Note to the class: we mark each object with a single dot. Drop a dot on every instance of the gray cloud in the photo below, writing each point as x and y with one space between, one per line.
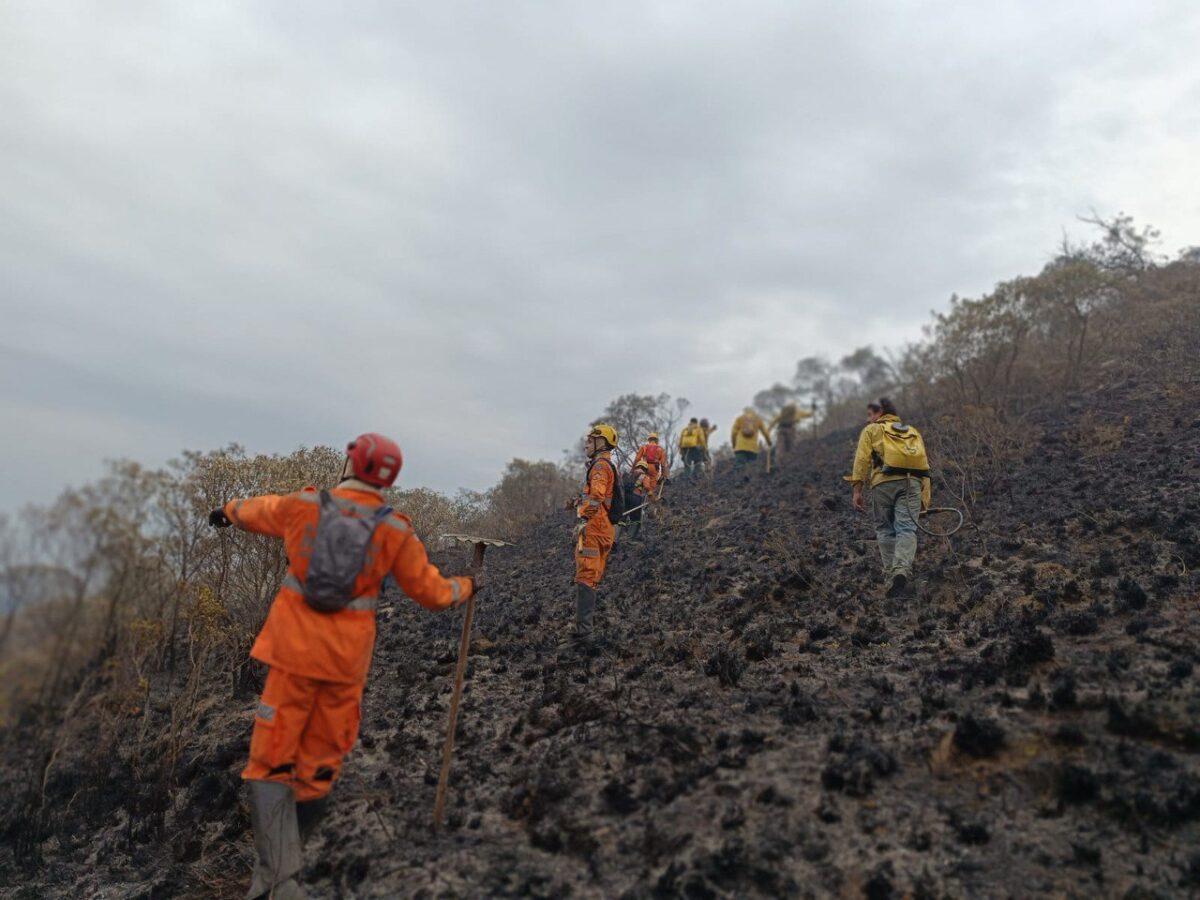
473 225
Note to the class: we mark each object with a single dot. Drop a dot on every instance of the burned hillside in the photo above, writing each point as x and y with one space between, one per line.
756 720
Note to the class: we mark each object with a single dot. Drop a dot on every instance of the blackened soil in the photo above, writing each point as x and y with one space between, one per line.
759 721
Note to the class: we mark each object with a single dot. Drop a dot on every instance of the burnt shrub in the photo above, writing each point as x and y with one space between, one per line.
1078 623
1105 565
1180 669
726 666
869 631
1027 648
854 763
618 798
978 737
1134 721
1076 784
1062 689
822 630
1138 626
970 831
760 643
1130 594
799 709
879 886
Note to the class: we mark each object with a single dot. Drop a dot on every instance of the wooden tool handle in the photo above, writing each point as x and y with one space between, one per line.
439 803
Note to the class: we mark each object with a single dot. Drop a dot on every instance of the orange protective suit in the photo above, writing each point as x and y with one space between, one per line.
645 482
307 718
592 547
654 455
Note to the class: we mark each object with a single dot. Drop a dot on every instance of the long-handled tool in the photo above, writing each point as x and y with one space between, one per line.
636 508
480 545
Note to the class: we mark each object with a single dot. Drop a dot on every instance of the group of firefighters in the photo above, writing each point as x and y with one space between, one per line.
342 543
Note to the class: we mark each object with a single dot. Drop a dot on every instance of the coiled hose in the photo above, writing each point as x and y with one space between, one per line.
941 509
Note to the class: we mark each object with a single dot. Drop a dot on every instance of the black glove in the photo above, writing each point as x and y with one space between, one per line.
218 519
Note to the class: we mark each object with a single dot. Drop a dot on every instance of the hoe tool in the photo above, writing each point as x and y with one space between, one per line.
480 544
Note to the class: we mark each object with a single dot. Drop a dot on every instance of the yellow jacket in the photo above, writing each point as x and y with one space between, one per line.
704 433
870 442
789 417
741 441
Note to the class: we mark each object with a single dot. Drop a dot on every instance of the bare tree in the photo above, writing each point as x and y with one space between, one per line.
634 416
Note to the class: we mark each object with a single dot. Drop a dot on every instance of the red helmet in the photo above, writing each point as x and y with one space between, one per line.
375 459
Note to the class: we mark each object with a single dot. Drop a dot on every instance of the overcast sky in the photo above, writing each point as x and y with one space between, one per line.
471 225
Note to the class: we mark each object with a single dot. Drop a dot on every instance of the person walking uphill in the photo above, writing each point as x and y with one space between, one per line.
317 641
640 491
744 437
691 448
652 453
706 431
786 421
891 457
594 528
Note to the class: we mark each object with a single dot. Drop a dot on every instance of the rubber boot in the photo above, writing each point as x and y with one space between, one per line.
585 608
309 814
633 531
899 588
277 839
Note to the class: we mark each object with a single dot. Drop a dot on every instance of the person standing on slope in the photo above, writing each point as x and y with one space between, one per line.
786 420
691 448
317 641
593 530
744 437
891 458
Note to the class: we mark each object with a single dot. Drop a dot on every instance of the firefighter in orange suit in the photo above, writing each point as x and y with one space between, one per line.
307 718
639 495
654 455
593 530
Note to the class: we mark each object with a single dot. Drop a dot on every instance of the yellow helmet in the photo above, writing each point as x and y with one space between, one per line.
652 436
604 431
642 464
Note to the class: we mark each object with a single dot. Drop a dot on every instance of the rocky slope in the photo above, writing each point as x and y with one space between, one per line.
758 720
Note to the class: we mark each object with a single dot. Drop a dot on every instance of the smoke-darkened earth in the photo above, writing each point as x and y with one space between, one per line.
758 720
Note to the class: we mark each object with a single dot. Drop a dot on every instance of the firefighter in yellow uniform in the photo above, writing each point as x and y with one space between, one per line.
744 437
891 458
706 431
593 530
786 421
691 448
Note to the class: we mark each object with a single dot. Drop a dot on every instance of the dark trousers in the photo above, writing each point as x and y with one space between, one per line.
743 458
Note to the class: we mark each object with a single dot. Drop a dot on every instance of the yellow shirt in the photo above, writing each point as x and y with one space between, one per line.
748 442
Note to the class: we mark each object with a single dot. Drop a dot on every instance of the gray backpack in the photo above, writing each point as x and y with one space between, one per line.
338 554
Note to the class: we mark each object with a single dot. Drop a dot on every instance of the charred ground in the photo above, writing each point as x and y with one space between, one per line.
758 720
